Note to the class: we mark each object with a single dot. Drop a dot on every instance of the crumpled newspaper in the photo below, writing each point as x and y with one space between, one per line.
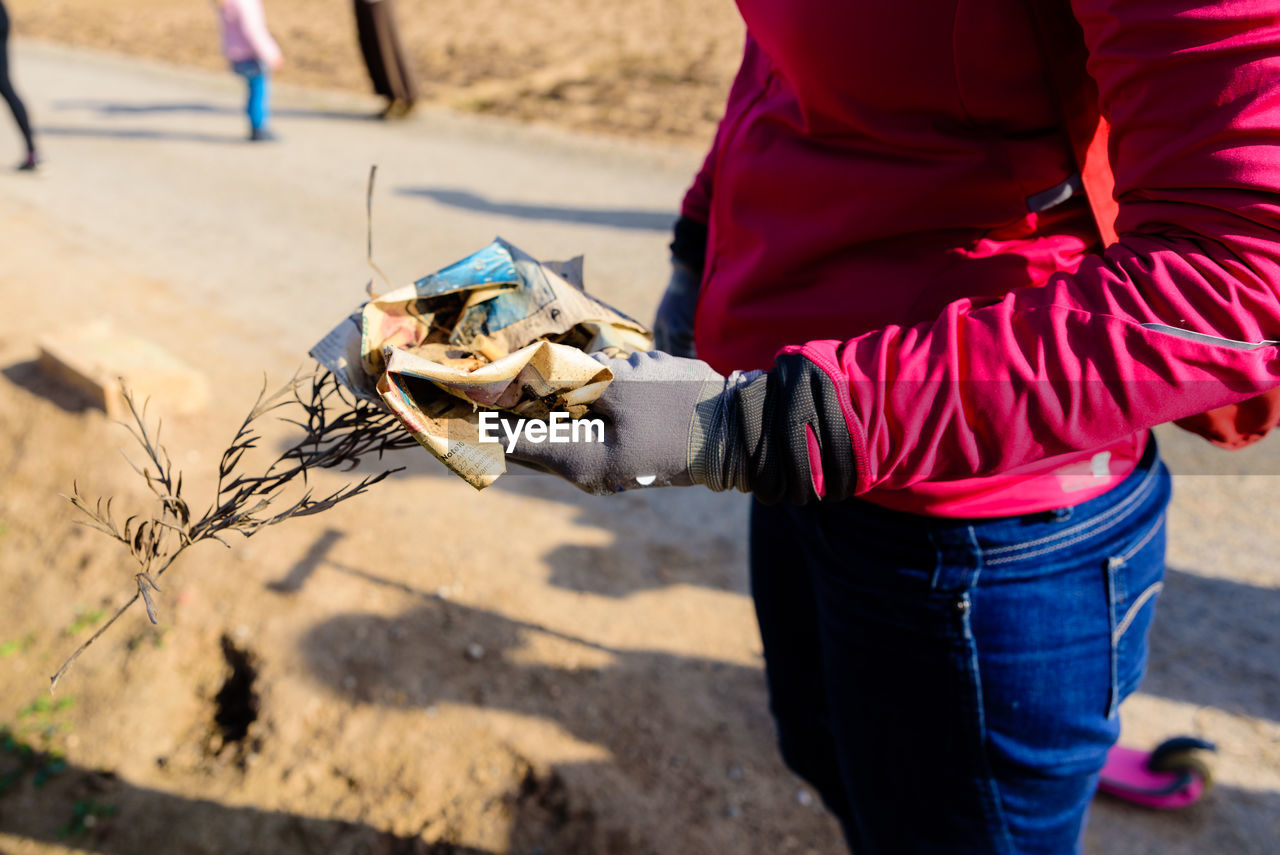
499 330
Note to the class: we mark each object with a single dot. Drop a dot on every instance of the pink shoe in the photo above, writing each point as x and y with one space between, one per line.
1172 776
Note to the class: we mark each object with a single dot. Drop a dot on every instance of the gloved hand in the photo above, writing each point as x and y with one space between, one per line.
651 412
673 324
675 422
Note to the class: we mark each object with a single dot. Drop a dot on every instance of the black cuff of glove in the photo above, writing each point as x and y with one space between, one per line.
689 245
774 418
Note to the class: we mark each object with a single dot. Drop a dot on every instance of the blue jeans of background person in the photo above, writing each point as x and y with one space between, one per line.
259 80
951 686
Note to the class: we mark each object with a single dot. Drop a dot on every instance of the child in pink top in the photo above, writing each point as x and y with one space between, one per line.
253 54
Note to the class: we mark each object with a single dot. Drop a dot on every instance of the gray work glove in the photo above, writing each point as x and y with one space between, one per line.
673 324
654 436
676 422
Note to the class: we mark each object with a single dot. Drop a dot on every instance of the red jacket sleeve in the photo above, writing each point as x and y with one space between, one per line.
1178 317
750 82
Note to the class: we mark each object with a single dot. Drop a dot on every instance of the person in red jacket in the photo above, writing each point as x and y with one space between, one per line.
935 364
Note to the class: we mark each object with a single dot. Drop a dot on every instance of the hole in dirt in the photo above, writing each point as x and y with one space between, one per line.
236 701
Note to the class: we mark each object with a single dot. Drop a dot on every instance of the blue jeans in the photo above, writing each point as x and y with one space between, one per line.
952 685
259 79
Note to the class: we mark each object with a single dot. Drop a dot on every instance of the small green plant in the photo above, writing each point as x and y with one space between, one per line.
15 646
47 706
43 720
36 707
83 620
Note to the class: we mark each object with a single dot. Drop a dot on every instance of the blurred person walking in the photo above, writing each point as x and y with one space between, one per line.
384 57
253 55
16 106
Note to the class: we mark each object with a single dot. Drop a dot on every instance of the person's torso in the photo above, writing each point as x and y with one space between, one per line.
892 159
236 18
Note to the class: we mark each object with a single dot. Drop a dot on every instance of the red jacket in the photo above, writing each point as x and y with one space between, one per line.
871 197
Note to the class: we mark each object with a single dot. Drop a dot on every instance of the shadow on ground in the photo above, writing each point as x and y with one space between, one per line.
148 134
658 538
422 662
1226 820
1216 643
28 376
631 705
97 812
669 723
114 109
618 218
425 656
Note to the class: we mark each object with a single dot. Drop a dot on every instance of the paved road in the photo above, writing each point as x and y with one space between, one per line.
242 254
149 164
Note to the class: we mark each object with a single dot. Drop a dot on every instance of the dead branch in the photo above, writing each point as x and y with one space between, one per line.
339 432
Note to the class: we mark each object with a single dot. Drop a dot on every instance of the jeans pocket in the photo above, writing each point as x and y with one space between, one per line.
1135 577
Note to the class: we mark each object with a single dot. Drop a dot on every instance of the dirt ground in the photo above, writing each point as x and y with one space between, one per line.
367 681
428 669
654 68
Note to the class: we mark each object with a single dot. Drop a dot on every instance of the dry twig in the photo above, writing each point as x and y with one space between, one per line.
339 431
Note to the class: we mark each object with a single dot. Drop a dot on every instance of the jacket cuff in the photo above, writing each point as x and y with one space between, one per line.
792 443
